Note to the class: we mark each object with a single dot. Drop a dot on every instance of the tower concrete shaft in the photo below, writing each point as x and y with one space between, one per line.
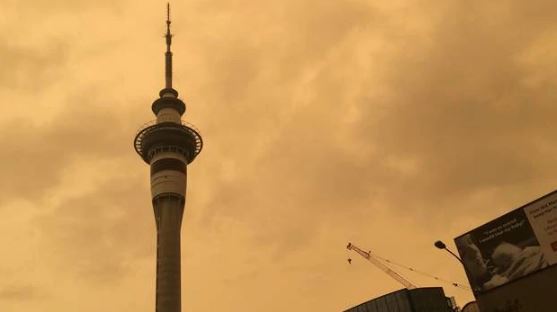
168 145
168 215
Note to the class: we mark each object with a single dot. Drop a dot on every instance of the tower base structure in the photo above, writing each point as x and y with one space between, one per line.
169 210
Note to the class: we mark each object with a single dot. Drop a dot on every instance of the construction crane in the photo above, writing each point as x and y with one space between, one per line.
371 258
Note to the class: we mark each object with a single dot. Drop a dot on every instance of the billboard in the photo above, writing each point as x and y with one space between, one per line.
512 246
534 293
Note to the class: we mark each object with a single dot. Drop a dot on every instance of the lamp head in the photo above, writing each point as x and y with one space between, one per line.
439 244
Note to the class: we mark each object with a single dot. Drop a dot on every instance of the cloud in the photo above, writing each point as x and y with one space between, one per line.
462 111
18 293
437 114
56 6
79 131
30 67
96 235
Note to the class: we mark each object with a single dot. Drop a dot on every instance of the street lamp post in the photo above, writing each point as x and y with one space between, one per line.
439 244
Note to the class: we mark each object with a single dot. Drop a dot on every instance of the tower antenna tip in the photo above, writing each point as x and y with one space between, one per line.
168 54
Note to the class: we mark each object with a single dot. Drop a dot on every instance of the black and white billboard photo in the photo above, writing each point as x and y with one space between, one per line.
512 246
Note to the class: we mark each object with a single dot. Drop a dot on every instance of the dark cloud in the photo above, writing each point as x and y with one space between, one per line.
461 110
80 131
450 117
18 293
30 68
102 231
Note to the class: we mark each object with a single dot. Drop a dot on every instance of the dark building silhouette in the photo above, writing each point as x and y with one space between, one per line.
427 299
168 145
471 307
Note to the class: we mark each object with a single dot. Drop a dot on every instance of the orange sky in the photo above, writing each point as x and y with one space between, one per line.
390 124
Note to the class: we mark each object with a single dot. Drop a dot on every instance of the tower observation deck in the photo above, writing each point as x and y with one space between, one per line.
168 145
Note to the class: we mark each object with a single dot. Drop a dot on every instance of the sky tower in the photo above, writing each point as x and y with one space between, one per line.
168 145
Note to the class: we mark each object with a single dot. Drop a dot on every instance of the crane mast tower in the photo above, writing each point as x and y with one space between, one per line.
371 258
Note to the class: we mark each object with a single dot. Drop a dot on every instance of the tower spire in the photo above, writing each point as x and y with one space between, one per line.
168 54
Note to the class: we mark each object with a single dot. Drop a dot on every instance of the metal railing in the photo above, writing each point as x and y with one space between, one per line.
146 128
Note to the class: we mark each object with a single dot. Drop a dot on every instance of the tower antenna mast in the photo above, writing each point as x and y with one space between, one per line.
168 54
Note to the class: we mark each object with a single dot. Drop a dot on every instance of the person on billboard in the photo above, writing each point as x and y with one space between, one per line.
473 261
512 262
